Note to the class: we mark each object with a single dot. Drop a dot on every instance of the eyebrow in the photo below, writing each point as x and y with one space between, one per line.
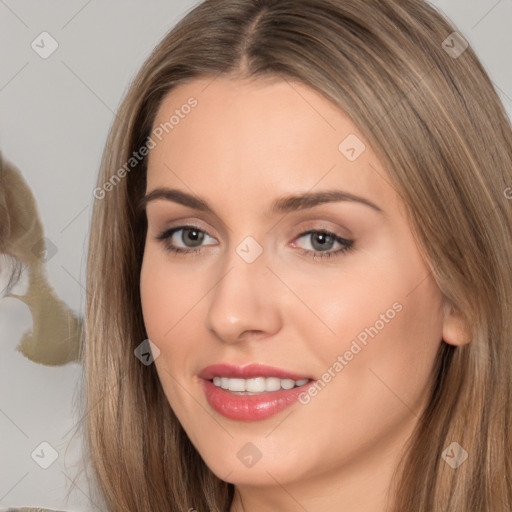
282 205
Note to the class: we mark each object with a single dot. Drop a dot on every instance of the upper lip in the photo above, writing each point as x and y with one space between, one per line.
248 371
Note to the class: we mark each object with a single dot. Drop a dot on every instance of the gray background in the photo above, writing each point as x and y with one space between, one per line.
55 115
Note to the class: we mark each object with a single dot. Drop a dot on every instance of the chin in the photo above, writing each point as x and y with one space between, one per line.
243 467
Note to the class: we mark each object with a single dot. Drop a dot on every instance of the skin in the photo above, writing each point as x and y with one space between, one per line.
245 145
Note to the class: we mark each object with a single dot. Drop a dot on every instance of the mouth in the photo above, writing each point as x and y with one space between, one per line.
251 392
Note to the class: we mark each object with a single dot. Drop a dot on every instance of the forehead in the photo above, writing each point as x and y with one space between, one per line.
271 136
247 115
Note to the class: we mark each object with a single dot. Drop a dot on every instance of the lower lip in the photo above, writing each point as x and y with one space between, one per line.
250 407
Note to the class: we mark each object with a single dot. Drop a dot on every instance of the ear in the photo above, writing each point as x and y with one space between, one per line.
455 329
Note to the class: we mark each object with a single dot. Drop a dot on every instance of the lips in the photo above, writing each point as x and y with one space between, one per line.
250 407
248 371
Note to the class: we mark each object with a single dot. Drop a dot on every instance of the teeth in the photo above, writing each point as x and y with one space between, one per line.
287 383
257 384
272 384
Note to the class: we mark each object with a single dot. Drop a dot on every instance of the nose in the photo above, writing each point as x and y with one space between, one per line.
245 300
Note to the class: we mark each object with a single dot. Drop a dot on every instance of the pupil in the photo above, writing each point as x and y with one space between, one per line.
322 239
194 236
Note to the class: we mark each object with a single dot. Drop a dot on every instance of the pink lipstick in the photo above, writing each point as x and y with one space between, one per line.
251 392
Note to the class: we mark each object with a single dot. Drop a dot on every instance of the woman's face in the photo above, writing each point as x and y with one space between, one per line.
329 291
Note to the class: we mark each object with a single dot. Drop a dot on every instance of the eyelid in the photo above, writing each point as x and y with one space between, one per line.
161 221
183 223
334 228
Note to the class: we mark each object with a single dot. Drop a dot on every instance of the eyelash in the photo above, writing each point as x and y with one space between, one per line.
347 245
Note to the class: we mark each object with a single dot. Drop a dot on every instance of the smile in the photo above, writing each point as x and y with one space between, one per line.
251 392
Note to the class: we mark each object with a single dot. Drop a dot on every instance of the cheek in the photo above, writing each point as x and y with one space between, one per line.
170 307
162 307
166 296
391 296
385 318
376 368
153 297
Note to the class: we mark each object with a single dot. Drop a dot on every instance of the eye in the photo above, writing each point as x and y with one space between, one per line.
191 237
321 243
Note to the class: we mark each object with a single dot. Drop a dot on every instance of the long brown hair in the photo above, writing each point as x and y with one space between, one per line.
433 118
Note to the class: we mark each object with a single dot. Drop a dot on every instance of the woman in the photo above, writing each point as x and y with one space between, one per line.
302 205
